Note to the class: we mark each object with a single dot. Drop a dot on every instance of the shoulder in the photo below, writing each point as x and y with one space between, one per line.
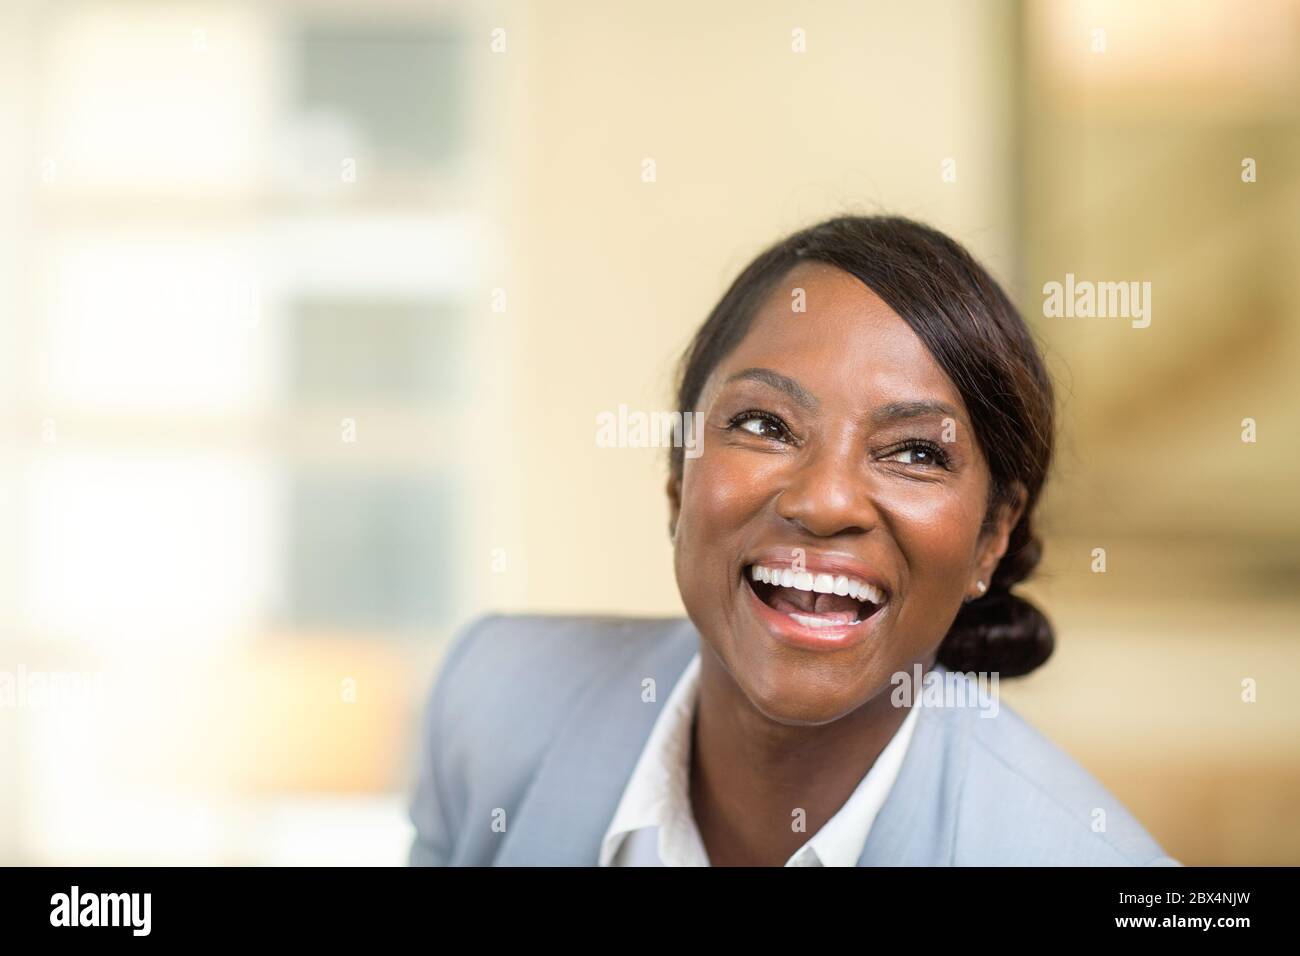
505 688
504 663
507 682
1026 801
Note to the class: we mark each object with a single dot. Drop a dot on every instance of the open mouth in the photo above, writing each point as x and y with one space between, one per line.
813 599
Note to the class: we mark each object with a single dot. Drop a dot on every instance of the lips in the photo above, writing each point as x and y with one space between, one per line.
826 593
813 599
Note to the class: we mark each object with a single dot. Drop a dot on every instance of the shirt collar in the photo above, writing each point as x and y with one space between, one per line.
658 792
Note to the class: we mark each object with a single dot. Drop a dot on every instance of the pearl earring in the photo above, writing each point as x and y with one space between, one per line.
982 586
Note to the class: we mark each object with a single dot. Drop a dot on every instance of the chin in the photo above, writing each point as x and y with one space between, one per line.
790 692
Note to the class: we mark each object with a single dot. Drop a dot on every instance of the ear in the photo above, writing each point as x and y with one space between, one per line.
994 542
674 490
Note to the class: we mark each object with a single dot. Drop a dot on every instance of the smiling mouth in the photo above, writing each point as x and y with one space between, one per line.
812 599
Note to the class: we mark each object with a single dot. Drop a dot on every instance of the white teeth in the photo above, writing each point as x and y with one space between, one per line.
818 621
821 583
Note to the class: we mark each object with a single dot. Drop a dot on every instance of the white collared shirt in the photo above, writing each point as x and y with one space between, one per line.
654 826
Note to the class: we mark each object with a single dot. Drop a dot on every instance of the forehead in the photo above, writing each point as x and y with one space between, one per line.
848 347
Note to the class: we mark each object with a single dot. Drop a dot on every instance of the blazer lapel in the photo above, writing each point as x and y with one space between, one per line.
571 800
917 822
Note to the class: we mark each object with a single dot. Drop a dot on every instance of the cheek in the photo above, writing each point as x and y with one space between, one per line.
937 537
719 493
720 496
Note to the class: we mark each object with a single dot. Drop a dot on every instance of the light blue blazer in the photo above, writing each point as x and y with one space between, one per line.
535 724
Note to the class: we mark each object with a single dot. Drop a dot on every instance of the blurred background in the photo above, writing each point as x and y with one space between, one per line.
307 310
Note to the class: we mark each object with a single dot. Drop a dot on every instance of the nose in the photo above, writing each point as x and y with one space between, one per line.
828 494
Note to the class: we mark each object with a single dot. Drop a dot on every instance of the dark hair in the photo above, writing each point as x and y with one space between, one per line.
979 339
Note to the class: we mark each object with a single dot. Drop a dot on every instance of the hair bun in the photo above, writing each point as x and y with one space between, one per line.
998 633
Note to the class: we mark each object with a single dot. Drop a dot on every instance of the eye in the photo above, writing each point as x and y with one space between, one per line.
924 453
760 423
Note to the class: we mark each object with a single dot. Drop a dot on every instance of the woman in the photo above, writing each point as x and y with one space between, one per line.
877 426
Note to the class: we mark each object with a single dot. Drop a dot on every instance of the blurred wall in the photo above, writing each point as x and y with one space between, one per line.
1162 144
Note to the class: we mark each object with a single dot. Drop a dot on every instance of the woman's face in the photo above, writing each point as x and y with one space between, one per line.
837 457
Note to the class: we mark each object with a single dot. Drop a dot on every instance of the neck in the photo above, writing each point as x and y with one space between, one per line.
750 774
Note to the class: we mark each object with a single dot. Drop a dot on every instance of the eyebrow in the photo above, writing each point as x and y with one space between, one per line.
778 381
893 411
896 411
